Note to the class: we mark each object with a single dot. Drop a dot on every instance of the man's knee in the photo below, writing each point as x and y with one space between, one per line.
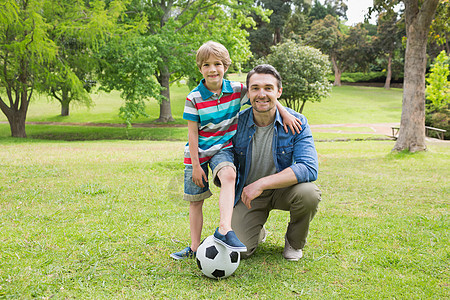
306 197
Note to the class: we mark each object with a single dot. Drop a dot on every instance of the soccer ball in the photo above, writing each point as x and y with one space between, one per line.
216 261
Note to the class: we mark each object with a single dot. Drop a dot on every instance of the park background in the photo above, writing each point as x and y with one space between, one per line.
91 208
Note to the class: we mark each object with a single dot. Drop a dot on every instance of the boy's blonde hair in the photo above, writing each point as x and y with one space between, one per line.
216 49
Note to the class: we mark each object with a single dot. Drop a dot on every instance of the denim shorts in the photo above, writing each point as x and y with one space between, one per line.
193 192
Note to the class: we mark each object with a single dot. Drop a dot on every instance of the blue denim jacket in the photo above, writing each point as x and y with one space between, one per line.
295 151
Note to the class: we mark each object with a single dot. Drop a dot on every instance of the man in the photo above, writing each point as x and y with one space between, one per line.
274 168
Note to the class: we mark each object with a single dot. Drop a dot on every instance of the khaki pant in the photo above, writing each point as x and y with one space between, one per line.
301 200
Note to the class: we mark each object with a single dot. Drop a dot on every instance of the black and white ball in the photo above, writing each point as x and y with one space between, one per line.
216 261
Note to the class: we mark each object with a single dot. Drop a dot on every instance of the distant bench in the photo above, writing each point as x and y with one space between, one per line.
440 132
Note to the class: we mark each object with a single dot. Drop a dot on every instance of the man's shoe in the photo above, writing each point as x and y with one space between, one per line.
185 253
230 241
290 253
262 235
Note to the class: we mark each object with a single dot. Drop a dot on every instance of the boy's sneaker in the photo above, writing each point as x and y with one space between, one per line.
230 241
185 253
290 253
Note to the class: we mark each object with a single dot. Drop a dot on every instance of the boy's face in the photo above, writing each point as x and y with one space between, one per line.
213 70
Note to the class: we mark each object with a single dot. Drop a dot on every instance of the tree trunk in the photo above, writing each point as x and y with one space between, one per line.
17 113
277 36
412 126
387 84
337 72
303 106
65 103
165 111
447 47
17 125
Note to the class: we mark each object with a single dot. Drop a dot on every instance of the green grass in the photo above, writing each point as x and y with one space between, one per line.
351 104
98 219
105 109
347 104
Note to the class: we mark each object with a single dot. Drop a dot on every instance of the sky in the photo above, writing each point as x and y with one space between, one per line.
357 9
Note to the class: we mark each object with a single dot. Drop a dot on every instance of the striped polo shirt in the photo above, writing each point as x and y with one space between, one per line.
216 116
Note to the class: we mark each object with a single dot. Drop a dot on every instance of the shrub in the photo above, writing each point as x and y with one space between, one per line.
304 72
438 85
439 119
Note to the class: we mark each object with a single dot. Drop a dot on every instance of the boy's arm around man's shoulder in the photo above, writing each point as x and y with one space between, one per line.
306 164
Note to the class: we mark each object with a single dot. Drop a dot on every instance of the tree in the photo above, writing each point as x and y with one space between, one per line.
174 31
440 26
304 72
298 23
34 40
78 28
25 51
418 17
357 50
336 8
326 35
388 40
268 32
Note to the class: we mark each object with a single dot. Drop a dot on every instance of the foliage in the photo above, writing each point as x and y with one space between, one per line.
71 75
304 72
388 42
173 33
438 85
25 51
440 27
347 51
439 119
357 50
129 66
48 46
336 8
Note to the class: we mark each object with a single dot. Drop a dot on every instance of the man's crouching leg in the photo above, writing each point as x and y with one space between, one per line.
302 201
248 223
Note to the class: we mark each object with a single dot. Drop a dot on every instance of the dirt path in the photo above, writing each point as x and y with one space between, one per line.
351 128
372 128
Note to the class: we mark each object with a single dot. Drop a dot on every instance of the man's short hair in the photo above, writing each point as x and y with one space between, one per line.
213 48
265 69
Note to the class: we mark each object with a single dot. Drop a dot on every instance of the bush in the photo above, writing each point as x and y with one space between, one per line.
438 85
439 119
303 70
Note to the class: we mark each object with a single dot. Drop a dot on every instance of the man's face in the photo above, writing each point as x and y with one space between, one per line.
263 92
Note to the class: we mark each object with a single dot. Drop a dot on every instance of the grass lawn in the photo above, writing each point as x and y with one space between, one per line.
98 219
347 104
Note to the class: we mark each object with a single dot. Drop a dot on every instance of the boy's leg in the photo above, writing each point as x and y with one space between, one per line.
224 174
196 223
227 177
196 196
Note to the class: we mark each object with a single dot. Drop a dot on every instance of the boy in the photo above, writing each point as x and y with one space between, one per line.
211 111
